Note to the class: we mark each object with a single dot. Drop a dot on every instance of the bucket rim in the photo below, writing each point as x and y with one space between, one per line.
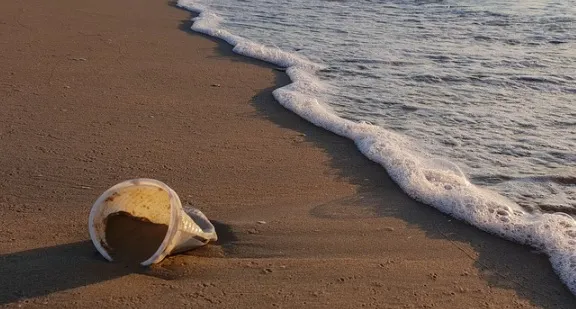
175 206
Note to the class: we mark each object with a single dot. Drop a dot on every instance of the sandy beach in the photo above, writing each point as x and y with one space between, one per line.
97 92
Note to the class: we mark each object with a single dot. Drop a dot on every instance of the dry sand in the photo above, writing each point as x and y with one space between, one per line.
96 92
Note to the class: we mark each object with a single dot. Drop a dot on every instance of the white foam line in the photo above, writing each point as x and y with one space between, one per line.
437 183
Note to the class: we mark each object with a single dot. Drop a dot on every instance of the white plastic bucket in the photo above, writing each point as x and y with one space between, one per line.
188 228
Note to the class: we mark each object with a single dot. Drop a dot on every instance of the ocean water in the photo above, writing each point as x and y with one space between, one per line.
470 106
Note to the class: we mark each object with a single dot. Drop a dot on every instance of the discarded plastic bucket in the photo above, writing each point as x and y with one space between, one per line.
188 228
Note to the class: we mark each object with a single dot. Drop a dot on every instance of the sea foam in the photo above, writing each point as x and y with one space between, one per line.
434 182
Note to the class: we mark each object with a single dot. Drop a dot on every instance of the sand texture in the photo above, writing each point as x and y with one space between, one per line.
99 91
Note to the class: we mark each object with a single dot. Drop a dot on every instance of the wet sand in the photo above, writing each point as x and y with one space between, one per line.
96 92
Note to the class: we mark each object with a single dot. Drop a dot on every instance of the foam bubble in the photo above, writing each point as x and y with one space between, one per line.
435 182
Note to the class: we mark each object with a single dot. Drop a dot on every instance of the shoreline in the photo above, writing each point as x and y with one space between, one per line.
338 231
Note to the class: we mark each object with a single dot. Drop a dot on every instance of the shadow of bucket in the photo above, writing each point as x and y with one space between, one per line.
188 228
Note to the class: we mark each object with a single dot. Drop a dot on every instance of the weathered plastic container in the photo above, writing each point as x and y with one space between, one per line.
188 227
